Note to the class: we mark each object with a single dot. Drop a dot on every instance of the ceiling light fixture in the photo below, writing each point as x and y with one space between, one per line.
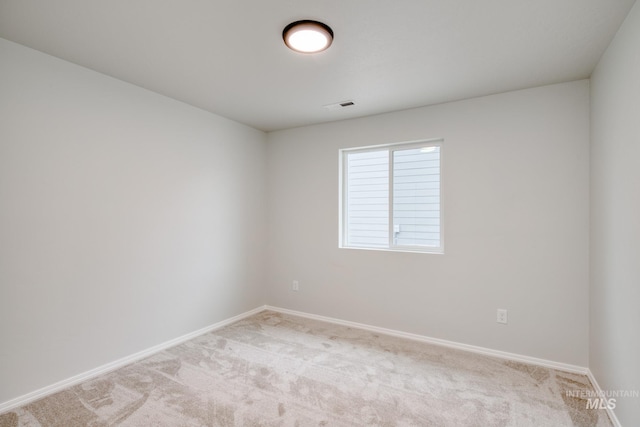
307 36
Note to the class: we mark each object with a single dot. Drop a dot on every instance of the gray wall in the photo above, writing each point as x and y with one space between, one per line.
126 219
515 204
615 219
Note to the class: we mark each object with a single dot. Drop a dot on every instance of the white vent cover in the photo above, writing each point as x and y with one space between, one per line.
339 105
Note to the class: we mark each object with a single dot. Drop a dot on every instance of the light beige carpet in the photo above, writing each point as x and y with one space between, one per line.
277 370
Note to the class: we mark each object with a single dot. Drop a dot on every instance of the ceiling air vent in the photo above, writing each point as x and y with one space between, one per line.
339 105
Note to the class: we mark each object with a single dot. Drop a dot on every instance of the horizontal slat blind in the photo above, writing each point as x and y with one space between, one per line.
416 197
367 201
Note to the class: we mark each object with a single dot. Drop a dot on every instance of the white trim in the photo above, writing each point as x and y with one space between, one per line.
342 195
437 341
76 379
390 212
599 392
38 394
417 142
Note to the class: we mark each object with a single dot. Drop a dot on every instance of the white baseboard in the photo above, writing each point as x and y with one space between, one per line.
53 388
599 392
466 347
30 397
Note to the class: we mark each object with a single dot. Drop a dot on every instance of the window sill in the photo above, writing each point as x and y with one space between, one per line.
432 251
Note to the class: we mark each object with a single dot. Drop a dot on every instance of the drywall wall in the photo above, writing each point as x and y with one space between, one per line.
515 200
614 354
127 219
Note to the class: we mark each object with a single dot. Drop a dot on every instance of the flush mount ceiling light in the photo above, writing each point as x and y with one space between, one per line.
307 36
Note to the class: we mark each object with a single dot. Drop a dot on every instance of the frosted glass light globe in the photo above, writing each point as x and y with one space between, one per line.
307 36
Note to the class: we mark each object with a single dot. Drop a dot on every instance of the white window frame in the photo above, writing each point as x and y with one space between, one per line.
437 142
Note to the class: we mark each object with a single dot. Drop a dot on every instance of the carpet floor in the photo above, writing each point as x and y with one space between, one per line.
272 369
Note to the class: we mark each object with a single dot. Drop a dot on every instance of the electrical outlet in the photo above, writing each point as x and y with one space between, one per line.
295 286
502 316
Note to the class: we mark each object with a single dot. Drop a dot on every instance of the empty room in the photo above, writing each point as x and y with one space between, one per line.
334 213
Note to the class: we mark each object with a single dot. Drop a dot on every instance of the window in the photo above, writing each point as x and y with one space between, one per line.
390 197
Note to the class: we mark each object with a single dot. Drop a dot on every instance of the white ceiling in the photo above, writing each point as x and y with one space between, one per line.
227 56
